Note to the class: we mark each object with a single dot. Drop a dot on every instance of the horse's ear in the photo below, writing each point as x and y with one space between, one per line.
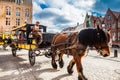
98 28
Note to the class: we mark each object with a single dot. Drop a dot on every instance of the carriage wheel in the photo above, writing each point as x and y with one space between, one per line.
48 54
4 46
14 52
31 57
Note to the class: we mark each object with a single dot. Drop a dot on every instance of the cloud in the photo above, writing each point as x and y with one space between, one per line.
61 20
47 13
36 8
101 6
60 14
83 4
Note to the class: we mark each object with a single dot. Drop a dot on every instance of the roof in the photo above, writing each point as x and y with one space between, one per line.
18 27
116 14
21 27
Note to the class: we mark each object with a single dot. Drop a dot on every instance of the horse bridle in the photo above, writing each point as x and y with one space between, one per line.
102 47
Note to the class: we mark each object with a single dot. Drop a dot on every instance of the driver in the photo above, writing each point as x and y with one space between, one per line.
37 33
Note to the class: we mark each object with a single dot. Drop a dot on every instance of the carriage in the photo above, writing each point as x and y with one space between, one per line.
29 43
5 40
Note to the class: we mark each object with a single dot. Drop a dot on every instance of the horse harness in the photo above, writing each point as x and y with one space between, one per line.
107 38
66 44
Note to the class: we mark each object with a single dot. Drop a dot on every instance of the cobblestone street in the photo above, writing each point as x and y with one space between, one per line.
95 67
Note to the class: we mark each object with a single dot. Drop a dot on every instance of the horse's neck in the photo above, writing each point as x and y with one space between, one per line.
87 37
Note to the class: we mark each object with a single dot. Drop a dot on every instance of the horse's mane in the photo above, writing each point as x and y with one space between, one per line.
92 37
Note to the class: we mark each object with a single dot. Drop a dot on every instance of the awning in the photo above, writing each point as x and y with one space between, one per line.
18 27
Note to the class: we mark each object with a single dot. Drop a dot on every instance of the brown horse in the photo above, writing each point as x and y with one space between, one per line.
61 42
76 45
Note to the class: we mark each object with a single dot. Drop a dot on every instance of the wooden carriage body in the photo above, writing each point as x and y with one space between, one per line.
29 42
5 39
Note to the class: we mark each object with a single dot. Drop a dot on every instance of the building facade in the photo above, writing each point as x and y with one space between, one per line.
112 22
93 21
14 13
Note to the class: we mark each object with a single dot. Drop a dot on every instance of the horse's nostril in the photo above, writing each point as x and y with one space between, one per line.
105 55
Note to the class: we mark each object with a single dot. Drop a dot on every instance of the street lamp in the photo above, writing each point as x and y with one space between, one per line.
103 26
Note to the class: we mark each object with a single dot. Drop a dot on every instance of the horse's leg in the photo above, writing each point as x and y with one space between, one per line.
79 67
61 62
54 65
70 66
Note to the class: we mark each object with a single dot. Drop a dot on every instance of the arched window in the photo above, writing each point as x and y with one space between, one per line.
27 13
8 12
18 1
109 17
18 12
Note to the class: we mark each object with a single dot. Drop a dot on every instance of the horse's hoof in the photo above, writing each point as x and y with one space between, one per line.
70 71
61 64
79 78
54 65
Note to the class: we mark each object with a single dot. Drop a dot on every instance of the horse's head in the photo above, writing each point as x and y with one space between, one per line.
102 45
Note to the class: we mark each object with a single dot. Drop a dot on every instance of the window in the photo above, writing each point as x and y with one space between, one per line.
119 24
27 13
119 36
7 21
17 21
109 25
18 12
11 0
8 11
113 36
109 17
18 1
22 1
97 21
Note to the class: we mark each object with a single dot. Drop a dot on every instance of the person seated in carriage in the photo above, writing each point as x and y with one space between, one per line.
37 33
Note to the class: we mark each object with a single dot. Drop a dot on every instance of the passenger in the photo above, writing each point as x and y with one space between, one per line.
20 36
37 33
23 36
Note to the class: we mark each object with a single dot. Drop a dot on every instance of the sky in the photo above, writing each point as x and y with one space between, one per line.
60 14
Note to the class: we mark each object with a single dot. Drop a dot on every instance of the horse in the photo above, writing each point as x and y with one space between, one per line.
97 38
60 42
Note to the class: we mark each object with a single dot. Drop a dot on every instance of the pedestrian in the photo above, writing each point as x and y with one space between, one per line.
23 35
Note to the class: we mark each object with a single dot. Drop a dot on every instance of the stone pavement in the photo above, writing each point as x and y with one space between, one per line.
95 67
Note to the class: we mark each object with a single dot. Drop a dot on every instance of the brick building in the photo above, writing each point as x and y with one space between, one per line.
111 21
94 21
14 13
